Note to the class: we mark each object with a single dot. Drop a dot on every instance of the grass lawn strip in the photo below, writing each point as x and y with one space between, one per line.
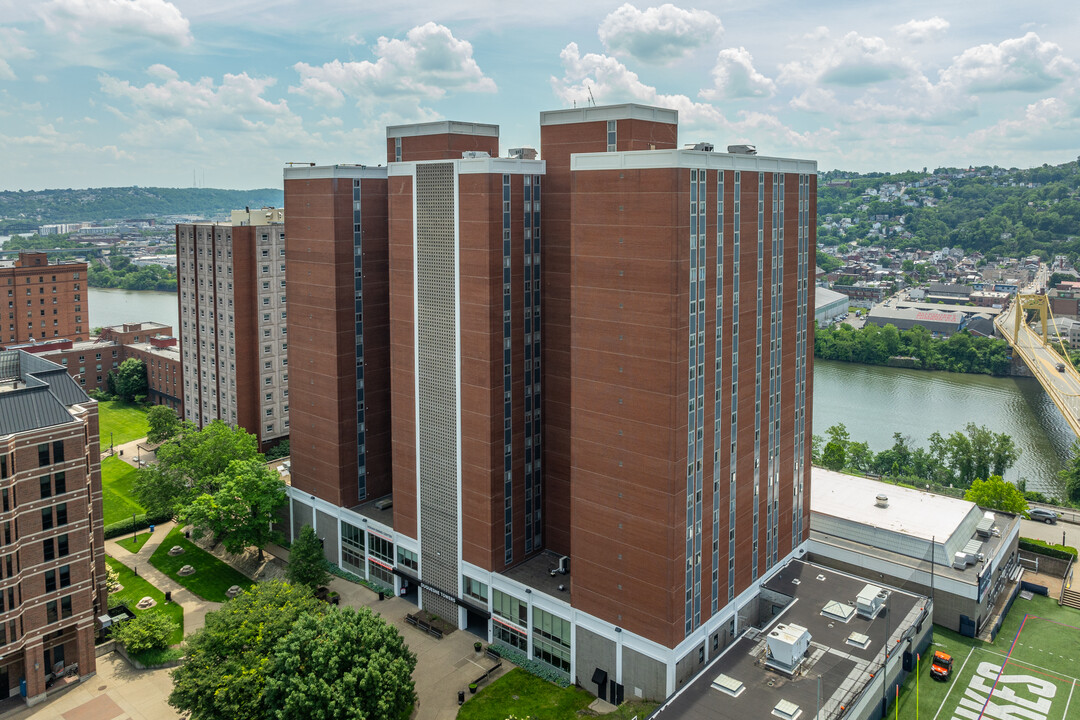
125 422
117 479
212 577
523 695
136 588
134 546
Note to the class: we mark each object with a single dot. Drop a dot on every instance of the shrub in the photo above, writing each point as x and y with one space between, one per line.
533 667
1062 552
149 631
142 521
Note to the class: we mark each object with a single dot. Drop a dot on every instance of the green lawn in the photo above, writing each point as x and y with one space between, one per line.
212 577
125 422
523 695
136 588
1048 648
133 546
117 478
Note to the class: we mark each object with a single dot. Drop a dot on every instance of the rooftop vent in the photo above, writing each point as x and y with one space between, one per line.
787 646
882 500
787 710
742 149
869 601
700 147
728 685
523 153
859 640
384 503
471 154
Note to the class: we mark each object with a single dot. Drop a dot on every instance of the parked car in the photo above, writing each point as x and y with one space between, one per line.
1043 515
941 666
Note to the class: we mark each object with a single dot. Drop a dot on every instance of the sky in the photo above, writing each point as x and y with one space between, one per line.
222 93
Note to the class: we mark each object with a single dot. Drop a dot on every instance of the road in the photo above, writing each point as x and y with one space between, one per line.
1051 533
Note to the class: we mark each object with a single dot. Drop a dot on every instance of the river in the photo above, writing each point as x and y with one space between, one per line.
874 402
109 306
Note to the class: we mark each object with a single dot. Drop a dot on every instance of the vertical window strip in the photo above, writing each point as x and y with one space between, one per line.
358 303
508 418
736 264
717 404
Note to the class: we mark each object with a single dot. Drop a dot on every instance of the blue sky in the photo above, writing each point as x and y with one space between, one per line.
151 92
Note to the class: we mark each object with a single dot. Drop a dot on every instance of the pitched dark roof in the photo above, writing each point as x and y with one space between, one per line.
34 393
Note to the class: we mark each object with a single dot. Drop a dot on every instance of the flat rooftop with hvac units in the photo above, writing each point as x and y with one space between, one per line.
820 653
962 555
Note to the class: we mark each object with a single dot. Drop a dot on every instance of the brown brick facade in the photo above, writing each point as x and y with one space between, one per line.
44 300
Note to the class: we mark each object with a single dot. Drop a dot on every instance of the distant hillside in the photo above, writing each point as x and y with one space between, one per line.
24 211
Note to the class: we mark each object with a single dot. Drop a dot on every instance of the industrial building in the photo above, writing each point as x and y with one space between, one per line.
829 305
939 323
961 555
591 372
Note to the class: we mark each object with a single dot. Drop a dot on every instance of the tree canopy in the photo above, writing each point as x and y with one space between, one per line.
277 652
130 380
192 463
1069 476
239 511
997 494
346 664
957 459
307 565
873 345
224 675
162 422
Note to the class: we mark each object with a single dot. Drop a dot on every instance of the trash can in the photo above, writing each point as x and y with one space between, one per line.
151 528
382 595
460 697
168 596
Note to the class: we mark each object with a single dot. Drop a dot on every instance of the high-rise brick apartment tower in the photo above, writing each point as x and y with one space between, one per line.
613 128
339 353
465 291
692 297
44 300
52 558
600 374
231 290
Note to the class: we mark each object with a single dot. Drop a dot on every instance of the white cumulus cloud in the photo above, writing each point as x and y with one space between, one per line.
734 76
610 81
854 60
236 103
1024 63
12 47
90 21
918 31
427 63
657 34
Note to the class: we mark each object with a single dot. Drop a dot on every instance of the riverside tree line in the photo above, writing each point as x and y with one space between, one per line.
873 345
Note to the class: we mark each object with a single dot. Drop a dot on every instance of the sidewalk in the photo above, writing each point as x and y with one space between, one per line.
195 608
133 452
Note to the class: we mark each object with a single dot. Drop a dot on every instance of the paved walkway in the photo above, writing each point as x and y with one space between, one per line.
133 453
119 691
195 608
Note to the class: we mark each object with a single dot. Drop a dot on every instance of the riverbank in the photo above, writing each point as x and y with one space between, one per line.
873 345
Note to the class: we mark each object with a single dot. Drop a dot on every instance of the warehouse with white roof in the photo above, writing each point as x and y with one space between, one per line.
963 556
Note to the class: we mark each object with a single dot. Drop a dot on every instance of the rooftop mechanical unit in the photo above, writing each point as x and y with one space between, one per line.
985 526
870 600
787 645
384 503
742 149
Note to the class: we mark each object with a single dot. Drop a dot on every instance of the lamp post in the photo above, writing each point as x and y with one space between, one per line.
134 537
885 662
111 451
